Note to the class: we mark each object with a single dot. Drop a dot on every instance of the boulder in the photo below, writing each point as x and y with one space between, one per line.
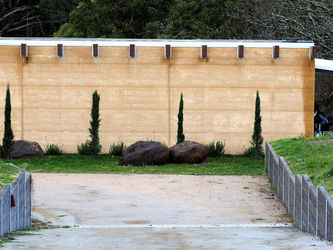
145 153
26 149
188 152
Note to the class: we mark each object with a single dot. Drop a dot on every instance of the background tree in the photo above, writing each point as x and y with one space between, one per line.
256 149
28 18
8 137
310 20
180 134
54 13
115 18
190 19
19 17
202 19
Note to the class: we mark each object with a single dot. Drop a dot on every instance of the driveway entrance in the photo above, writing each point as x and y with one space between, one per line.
159 211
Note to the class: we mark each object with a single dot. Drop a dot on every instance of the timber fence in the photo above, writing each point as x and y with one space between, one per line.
311 208
15 204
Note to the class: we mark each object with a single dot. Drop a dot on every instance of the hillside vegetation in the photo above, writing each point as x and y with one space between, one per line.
311 156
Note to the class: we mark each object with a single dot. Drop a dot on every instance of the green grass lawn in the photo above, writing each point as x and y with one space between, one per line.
106 164
311 156
7 174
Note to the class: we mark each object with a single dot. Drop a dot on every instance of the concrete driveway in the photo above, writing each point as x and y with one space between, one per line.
160 212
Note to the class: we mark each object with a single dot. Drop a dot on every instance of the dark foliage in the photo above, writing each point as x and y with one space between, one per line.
117 149
115 18
152 19
216 149
54 13
324 92
256 149
92 147
8 137
21 18
202 19
95 147
53 149
180 134
84 148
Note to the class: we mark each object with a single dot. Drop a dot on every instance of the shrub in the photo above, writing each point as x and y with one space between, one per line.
8 137
84 148
252 152
256 150
53 149
117 149
180 134
216 149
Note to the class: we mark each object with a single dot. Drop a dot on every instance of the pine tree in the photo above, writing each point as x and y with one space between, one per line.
256 150
8 137
95 147
180 135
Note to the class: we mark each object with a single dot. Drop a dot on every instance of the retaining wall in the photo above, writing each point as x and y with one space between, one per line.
15 204
311 208
51 95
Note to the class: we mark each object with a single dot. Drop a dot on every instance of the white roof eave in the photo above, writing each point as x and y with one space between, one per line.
323 64
151 43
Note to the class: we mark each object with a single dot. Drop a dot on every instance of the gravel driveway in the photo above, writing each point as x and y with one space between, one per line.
103 199
107 211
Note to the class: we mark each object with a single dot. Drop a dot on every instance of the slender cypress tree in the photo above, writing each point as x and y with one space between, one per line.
8 137
180 134
95 147
256 150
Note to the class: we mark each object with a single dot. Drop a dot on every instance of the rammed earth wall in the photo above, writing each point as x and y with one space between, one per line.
140 87
15 204
311 208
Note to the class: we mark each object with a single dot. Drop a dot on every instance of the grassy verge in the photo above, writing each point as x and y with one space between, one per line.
311 156
107 164
7 173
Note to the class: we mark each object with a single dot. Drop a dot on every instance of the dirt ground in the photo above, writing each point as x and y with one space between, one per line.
104 199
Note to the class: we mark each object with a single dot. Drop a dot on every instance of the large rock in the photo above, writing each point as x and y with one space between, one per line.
26 149
188 152
145 153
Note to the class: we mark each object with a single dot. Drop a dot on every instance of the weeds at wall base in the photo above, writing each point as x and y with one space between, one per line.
11 236
53 149
37 225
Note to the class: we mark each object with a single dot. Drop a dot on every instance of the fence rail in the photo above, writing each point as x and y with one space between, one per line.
311 208
15 204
